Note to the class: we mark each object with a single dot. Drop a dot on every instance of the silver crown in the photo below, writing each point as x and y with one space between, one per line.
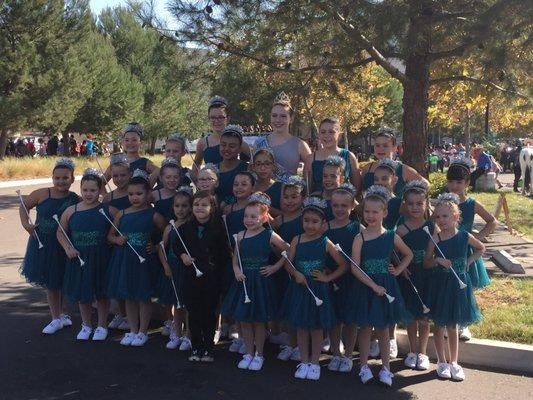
133 127
388 163
294 180
176 137
347 188
118 158
316 202
462 162
378 191
211 167
267 149
448 198
185 189
336 161
141 174
217 101
92 172
417 185
232 129
170 161
386 131
260 197
65 162
283 98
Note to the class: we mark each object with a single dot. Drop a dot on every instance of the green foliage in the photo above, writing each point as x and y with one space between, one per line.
437 181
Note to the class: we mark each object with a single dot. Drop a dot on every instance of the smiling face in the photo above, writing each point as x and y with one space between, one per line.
342 204
90 190
331 177
182 206
242 187
291 199
416 204
137 195
174 149
170 177
207 180
446 216
280 119
121 174
229 147
328 134
313 222
62 179
384 177
254 217
218 119
374 212
263 166
383 147
131 142
202 209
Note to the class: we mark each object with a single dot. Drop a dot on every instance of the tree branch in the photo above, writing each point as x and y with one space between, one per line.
466 78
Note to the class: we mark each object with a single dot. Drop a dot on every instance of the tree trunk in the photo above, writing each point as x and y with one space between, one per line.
66 144
467 132
3 143
151 150
487 119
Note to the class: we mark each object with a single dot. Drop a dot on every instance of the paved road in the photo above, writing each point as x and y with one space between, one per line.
33 366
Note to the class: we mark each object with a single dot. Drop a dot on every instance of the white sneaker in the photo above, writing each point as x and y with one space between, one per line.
464 333
346 364
457 372
140 340
167 328
365 373
100 333
217 337
84 333
422 362
411 360
285 353
301 371
385 376
374 349
295 354
242 349
313 372
393 352
236 345
128 338
124 325
185 343
443 370
245 362
173 342
334 363
281 338
257 363
53 327
115 322
326 345
65 320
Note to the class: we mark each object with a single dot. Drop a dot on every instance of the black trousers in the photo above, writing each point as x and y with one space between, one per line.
474 175
201 299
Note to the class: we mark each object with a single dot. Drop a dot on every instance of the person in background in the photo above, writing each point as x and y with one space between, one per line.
483 164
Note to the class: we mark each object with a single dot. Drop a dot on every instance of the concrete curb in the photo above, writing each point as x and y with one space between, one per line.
29 182
507 262
482 353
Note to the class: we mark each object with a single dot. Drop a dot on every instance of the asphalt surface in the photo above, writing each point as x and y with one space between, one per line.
35 366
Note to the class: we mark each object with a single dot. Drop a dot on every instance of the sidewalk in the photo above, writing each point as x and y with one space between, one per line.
28 182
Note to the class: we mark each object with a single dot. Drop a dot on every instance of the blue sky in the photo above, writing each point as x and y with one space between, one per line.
160 6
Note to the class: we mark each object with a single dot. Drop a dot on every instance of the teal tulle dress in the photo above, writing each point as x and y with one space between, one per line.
88 231
165 291
274 192
140 163
368 180
364 307
224 191
344 236
299 308
235 224
393 213
128 278
287 230
449 303
120 203
212 153
477 271
318 168
165 207
255 252
46 267
417 240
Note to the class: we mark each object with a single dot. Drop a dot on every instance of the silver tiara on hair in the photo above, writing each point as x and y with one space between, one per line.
118 158
232 129
218 101
260 197
448 198
65 162
170 161
336 161
211 167
386 131
388 163
316 202
92 172
185 189
133 127
347 188
267 149
176 137
141 174
378 191
461 161
417 185
294 180
283 98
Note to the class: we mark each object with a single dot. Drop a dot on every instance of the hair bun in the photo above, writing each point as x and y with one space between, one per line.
118 158
92 172
378 191
139 173
260 197
448 198
65 162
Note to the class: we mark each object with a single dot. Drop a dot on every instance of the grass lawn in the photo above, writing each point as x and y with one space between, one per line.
520 209
507 307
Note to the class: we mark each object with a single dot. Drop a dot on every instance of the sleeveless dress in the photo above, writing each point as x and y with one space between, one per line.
165 291
344 236
477 271
364 307
287 155
46 267
299 308
255 252
128 278
139 163
417 240
224 191
287 230
88 232
274 192
235 224
450 304
368 180
317 167
184 179
212 153
393 213
165 207
120 203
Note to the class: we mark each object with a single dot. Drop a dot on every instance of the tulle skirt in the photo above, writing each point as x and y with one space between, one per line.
419 277
478 272
165 290
127 278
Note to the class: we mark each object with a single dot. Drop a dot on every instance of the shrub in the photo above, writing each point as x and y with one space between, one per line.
437 181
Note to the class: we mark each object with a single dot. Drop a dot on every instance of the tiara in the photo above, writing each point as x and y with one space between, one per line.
141 174
461 161
92 172
448 198
294 180
315 202
260 197
65 162
378 191
185 189
170 161
347 188
232 129
118 158
175 137
218 101
386 131
211 167
133 127
282 98
267 149
416 185
336 161
388 163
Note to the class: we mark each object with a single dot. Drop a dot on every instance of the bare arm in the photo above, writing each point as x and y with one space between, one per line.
198 157
407 254
30 201
490 221
65 217
410 174
479 249
308 171
355 176
339 260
